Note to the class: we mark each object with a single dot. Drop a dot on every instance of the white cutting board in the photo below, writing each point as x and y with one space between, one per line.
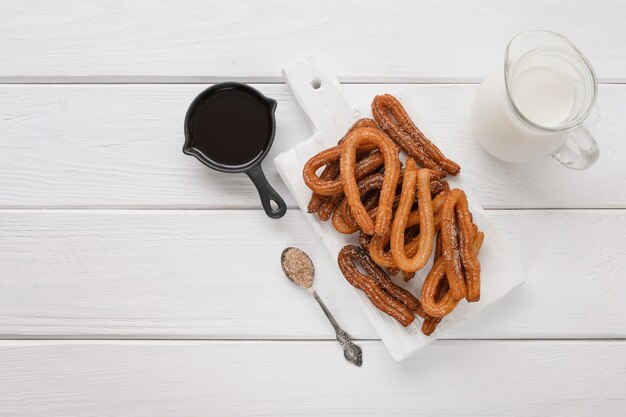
330 115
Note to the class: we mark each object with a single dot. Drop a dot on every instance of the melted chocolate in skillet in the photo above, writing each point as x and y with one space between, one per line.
231 127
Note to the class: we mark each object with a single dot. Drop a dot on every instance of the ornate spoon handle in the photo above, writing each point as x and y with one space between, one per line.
351 352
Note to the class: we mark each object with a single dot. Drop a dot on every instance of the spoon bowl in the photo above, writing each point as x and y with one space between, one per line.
294 261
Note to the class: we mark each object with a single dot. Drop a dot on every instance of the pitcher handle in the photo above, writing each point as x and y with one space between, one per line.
579 151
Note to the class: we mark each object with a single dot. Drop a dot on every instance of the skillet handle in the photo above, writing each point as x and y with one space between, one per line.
267 193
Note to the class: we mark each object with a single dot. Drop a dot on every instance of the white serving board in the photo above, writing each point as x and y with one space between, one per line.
330 115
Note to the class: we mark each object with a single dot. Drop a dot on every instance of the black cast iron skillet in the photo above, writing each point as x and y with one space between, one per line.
230 127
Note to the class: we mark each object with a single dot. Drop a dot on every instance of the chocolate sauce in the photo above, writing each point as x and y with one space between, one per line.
231 127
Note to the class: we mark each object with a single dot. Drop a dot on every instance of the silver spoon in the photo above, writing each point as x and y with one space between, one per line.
298 267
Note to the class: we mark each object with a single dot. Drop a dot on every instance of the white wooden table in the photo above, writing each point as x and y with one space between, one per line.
135 282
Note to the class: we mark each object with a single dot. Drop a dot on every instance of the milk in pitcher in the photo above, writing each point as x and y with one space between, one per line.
543 95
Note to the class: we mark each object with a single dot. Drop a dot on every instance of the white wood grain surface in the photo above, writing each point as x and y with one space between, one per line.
460 378
107 231
120 146
216 274
196 40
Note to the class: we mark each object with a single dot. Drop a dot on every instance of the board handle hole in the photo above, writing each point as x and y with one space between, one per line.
316 83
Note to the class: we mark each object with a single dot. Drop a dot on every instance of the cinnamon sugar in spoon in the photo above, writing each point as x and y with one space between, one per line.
298 267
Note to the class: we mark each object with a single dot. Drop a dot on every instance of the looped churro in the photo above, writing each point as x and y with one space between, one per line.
467 248
393 119
426 237
433 302
382 292
368 137
378 245
366 166
450 245
457 235
433 305
318 202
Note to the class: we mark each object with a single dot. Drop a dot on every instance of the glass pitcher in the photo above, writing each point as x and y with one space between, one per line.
535 105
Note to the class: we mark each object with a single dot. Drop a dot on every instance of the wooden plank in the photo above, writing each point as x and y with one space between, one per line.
216 274
460 378
195 40
120 146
